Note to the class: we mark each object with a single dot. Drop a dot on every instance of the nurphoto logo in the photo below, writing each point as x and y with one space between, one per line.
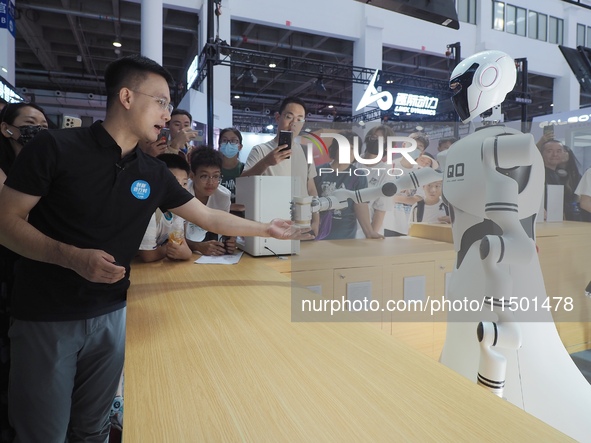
344 155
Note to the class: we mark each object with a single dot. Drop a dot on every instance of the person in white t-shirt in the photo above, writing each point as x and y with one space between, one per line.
164 235
583 191
378 176
270 158
206 174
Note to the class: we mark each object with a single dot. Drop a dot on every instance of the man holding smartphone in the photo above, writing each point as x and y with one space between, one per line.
181 132
274 158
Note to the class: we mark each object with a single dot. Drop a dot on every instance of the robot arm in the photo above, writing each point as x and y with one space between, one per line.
303 207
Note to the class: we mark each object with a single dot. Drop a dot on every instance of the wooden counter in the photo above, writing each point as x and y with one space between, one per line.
212 356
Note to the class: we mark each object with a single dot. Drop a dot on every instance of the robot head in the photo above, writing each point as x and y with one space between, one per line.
481 82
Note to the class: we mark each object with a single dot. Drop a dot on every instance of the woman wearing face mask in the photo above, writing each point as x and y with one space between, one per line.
230 146
19 123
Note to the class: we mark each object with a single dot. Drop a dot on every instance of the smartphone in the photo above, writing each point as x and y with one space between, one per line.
164 133
71 122
285 139
549 129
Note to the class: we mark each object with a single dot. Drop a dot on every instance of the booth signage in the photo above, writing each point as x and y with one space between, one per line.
371 94
7 16
8 93
416 104
404 103
192 72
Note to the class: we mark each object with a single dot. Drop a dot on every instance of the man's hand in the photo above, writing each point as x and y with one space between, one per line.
96 266
182 138
155 148
230 245
211 247
276 156
285 230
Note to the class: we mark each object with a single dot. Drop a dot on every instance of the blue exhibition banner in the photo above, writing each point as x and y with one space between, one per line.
7 16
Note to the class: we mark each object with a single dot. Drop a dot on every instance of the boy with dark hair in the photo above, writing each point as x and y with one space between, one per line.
431 209
206 174
165 235
75 208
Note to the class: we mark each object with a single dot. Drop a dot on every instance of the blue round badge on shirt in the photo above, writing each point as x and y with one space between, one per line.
140 189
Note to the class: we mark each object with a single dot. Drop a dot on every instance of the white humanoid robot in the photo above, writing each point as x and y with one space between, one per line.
494 183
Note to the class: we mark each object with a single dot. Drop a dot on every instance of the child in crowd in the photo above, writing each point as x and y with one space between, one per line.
377 176
431 209
396 222
206 175
164 236
230 146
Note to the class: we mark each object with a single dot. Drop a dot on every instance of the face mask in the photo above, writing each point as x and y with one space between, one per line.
27 133
229 150
372 147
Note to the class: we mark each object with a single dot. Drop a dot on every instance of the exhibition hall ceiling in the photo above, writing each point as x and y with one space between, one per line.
65 45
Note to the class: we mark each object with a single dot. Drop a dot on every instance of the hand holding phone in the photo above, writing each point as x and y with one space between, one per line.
285 139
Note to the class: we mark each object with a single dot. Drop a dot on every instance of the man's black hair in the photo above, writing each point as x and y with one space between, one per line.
205 156
181 112
128 72
175 161
287 100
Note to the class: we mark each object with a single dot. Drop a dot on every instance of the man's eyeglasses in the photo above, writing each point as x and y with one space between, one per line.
164 104
232 142
214 178
290 117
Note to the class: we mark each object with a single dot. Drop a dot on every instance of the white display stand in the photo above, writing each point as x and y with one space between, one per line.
266 198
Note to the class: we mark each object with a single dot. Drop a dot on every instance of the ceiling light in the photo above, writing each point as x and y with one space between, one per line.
272 65
330 106
389 81
236 96
269 127
117 43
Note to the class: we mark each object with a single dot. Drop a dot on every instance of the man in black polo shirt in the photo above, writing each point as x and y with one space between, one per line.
76 206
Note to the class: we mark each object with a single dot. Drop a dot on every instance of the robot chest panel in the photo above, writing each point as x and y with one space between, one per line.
463 180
